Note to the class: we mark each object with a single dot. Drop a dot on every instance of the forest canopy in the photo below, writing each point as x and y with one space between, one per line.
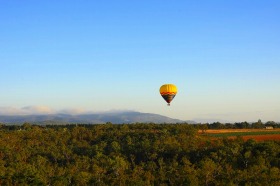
132 154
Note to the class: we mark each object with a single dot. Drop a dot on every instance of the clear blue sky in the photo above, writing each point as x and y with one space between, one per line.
224 57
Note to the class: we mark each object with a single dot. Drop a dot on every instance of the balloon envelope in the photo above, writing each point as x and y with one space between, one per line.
168 92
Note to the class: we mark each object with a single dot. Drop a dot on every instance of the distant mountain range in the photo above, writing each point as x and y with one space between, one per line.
96 118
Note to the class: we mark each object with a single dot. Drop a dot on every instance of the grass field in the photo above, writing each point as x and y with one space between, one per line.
257 134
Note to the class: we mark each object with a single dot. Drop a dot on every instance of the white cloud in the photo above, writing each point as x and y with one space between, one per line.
37 110
72 111
26 110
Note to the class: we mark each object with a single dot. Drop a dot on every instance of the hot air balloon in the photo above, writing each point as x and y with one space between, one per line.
168 92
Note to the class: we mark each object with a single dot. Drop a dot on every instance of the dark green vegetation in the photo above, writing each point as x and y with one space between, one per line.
242 133
136 154
239 125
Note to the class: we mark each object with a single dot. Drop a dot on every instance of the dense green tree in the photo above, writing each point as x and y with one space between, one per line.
136 154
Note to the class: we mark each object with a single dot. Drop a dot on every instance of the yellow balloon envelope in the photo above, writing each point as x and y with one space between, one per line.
168 92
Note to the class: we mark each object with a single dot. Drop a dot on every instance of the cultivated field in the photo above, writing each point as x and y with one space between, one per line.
256 134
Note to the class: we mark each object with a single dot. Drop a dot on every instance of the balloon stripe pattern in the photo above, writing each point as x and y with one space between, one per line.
168 98
168 92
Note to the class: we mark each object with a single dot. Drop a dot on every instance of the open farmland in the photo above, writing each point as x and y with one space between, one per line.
256 134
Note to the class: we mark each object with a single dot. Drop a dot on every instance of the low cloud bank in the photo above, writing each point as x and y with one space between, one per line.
37 110
44 110
25 110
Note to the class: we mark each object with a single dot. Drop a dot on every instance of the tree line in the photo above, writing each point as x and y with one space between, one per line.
132 154
239 125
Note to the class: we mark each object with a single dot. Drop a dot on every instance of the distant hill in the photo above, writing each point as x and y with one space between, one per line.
97 118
